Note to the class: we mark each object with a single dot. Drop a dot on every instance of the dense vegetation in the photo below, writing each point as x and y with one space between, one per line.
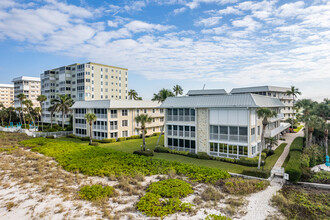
95 192
299 203
171 188
293 167
216 217
239 186
94 160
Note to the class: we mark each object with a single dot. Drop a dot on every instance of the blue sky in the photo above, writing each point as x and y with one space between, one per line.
219 43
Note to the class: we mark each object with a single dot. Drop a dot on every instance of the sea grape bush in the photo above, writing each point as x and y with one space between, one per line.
216 217
171 188
99 161
95 192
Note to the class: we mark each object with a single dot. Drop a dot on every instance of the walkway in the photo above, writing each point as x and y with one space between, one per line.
289 137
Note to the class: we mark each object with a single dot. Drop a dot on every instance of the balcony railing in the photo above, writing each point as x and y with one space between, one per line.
78 115
101 116
78 125
279 116
226 137
100 127
113 127
176 133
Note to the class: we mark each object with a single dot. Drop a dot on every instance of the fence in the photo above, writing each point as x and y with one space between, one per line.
32 133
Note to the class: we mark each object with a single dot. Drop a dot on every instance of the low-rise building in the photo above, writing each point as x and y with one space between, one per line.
220 125
7 95
29 86
271 91
116 118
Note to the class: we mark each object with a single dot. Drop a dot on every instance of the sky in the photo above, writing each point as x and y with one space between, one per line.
193 43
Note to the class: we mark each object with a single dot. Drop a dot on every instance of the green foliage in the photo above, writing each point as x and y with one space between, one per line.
170 188
156 134
135 137
122 139
94 144
297 144
257 173
216 217
162 149
72 136
110 140
100 161
84 138
239 186
25 126
321 177
154 206
293 167
203 156
95 192
148 153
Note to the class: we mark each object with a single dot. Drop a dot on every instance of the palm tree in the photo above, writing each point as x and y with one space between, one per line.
19 109
1 105
3 115
52 109
272 141
307 105
41 99
28 106
10 111
313 122
293 92
326 101
90 118
132 94
38 112
324 126
264 113
143 119
162 95
63 104
177 90
21 97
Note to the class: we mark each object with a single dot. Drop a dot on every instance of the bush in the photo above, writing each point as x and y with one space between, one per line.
84 138
240 186
184 153
135 137
95 192
25 126
152 205
111 140
293 167
50 137
156 134
162 149
170 188
51 130
122 139
321 177
216 217
211 193
297 144
257 173
94 144
72 136
203 156
193 155
148 153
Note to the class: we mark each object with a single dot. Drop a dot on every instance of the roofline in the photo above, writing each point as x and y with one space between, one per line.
75 64
7 85
255 87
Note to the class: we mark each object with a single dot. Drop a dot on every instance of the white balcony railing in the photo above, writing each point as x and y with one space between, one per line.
276 131
280 116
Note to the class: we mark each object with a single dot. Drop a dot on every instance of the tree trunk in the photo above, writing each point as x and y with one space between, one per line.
23 113
20 117
62 119
51 119
262 144
144 140
326 133
9 118
90 133
161 132
306 135
310 138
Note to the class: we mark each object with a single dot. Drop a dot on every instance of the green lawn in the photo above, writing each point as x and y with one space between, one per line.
271 160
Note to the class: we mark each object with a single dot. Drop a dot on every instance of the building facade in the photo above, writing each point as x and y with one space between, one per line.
116 118
29 86
88 81
7 95
271 91
220 125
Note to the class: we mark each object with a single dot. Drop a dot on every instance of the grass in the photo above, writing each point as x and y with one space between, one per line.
298 128
271 160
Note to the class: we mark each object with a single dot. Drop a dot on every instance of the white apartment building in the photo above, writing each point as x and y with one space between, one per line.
88 81
271 91
116 118
220 125
29 86
7 95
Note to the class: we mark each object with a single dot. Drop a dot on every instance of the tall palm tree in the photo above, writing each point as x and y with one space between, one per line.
307 105
21 97
19 109
28 106
162 95
90 118
313 122
177 90
3 116
63 104
10 111
133 95
41 99
52 109
324 127
264 113
293 92
143 119
272 141
38 112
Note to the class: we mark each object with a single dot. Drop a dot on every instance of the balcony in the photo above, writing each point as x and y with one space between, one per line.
276 131
230 138
280 116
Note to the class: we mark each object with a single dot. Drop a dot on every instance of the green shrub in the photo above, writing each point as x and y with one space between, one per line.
257 173
148 153
240 186
184 153
110 140
156 134
162 149
84 138
72 136
321 177
135 137
297 144
216 217
203 156
122 139
94 144
170 188
25 126
293 167
50 137
152 205
193 155
95 192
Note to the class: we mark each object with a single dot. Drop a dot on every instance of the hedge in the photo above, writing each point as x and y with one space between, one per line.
148 153
297 144
110 140
293 167
135 137
257 173
122 139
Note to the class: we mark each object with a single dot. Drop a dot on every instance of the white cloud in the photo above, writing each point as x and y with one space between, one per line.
195 3
248 22
229 10
290 9
179 10
140 26
135 6
208 22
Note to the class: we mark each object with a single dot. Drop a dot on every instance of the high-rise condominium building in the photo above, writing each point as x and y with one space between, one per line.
271 91
7 95
88 81
29 86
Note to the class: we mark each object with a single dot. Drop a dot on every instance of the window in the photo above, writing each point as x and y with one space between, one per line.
253 130
145 111
124 134
113 135
113 113
258 130
124 123
161 111
124 112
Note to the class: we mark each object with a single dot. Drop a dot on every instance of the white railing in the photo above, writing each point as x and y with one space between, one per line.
279 129
185 118
81 125
279 116
226 137
78 115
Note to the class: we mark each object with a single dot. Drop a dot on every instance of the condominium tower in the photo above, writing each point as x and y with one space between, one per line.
88 81
29 86
7 95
